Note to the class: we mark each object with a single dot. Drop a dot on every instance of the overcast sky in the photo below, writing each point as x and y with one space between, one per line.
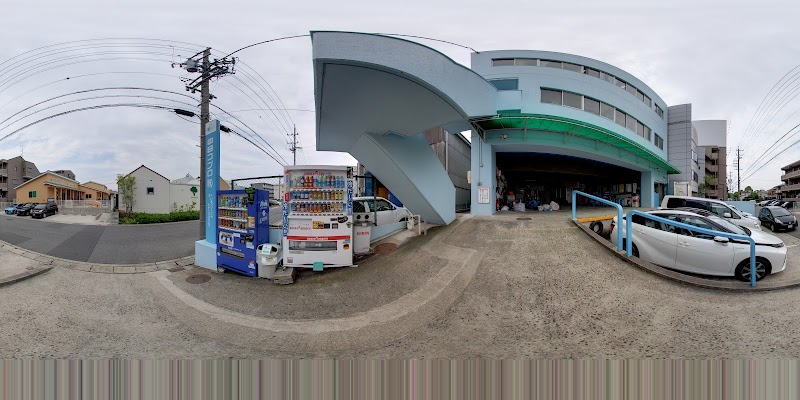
721 56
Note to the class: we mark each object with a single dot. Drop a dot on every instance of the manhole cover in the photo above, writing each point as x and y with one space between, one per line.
198 279
385 248
524 218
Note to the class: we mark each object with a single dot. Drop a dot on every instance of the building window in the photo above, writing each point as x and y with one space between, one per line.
607 111
647 133
151 190
591 105
551 64
619 117
659 142
502 62
630 123
572 67
694 155
551 96
505 84
694 176
32 194
526 62
572 100
88 195
533 62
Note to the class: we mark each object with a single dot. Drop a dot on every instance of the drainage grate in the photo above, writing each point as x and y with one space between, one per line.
176 269
198 279
385 248
524 219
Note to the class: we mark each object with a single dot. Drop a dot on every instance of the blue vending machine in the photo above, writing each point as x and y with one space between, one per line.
242 225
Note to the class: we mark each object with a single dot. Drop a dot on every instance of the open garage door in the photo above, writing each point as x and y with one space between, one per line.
540 178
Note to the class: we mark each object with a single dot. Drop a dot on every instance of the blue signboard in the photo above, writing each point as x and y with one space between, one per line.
212 179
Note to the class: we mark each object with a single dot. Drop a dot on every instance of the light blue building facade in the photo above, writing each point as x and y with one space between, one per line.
542 123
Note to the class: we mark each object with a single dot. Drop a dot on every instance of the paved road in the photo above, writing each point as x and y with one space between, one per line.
113 244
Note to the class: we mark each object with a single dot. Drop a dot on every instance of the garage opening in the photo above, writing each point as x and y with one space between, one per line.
537 179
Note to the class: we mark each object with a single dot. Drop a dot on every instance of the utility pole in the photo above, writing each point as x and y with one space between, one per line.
205 99
208 70
293 144
738 176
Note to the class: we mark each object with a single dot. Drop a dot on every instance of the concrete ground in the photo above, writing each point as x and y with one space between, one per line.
484 287
102 219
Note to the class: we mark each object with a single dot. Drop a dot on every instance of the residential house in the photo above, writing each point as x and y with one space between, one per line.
47 187
154 193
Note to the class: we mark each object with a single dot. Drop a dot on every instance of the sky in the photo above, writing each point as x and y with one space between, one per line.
724 57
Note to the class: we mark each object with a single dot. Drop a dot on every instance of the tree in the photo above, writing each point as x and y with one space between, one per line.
708 182
125 186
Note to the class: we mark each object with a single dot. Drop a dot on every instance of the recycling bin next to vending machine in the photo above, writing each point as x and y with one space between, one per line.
242 225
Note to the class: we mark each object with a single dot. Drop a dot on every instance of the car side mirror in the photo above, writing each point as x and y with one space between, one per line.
727 215
721 239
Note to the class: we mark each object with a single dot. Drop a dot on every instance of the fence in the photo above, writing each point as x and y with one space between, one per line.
575 194
272 184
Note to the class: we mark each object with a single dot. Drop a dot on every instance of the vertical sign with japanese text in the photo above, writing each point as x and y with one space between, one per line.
212 178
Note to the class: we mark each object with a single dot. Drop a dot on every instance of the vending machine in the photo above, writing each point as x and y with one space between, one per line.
318 216
242 225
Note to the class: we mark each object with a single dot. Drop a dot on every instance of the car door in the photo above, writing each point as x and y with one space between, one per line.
765 217
384 210
698 252
656 242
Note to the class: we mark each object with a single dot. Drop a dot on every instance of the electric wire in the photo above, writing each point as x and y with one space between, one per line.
102 106
83 47
51 50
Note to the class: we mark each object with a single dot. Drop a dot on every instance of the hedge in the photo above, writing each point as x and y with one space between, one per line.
145 218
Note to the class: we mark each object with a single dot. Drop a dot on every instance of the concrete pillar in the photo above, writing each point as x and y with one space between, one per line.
646 189
482 160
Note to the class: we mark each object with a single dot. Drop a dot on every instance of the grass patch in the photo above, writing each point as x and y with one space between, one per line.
145 218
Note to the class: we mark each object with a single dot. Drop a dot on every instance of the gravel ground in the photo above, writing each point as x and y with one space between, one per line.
542 289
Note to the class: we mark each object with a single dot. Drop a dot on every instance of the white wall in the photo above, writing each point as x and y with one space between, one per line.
159 201
181 194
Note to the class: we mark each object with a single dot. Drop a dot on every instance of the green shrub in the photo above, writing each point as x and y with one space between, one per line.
145 218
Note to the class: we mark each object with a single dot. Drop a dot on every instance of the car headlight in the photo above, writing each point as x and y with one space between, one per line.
778 222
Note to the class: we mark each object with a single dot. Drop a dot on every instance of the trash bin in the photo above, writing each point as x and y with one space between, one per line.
362 232
269 256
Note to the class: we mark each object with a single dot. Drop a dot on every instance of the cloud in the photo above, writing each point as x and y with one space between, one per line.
721 56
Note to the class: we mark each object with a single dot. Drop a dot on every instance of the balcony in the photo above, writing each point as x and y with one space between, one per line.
712 168
713 156
712 193
789 188
789 175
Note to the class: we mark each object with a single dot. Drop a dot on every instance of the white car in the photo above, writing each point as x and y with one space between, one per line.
680 249
718 207
367 208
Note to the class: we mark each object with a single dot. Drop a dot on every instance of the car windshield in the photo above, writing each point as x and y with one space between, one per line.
729 226
779 212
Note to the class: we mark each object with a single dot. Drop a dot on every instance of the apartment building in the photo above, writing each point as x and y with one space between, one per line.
14 172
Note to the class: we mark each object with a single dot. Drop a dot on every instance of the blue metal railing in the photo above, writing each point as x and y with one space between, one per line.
575 194
628 241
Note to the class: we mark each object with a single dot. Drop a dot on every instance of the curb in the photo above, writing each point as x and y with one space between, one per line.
140 268
23 276
370 329
687 279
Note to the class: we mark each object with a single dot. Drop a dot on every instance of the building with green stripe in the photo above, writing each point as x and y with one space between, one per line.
541 124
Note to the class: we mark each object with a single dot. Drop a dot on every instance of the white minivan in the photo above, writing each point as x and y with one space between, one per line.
718 207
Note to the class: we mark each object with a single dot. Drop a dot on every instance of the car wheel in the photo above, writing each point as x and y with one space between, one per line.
634 249
763 268
597 227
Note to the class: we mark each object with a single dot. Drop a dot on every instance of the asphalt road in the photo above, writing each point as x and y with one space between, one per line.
111 244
